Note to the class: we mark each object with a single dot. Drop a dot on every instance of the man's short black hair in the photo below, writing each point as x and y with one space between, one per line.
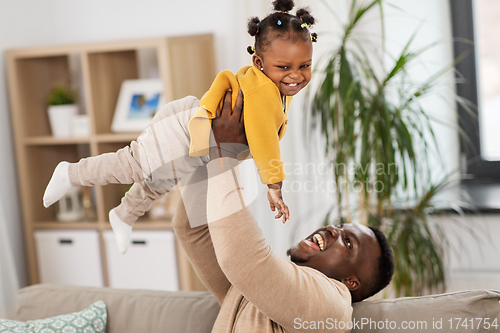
384 267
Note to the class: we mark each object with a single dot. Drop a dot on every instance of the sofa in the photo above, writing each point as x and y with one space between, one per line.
143 311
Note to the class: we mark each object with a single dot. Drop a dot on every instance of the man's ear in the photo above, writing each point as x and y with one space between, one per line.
351 283
257 61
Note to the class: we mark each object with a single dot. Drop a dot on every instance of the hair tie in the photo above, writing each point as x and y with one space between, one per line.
303 25
279 22
251 50
314 37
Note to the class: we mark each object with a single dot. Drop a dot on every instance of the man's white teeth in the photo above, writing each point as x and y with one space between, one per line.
292 84
319 240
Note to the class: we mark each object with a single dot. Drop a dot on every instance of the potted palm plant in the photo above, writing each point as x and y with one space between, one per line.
374 128
61 109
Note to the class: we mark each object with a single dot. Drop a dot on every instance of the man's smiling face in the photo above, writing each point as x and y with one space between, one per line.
347 253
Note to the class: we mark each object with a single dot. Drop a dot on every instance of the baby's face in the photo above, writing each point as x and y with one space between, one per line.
287 64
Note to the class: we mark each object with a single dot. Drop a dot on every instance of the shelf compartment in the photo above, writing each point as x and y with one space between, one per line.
35 78
46 158
69 257
150 263
107 71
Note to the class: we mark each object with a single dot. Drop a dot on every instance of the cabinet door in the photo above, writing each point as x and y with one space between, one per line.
69 257
149 263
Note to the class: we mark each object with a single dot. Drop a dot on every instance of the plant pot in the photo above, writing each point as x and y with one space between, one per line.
60 117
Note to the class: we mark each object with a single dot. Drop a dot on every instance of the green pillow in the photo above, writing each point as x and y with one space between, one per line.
91 320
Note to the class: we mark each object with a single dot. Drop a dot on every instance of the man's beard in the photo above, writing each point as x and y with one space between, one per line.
295 259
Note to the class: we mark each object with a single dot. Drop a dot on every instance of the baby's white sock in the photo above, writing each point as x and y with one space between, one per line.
121 230
58 186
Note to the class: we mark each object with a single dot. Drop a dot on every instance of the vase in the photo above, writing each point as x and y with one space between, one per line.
60 117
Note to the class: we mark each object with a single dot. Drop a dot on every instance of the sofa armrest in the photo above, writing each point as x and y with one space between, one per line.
128 310
462 311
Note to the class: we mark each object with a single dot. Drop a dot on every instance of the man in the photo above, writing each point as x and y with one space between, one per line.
257 290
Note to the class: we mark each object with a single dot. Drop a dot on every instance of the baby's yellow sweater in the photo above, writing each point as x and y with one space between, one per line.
264 116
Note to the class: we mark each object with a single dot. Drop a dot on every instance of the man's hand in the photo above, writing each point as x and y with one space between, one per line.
229 129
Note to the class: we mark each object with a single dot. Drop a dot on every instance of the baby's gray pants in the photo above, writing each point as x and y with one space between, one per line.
154 163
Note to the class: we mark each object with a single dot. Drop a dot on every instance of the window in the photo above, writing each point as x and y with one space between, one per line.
479 83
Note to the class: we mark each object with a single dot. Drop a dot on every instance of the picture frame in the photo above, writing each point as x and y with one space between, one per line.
137 104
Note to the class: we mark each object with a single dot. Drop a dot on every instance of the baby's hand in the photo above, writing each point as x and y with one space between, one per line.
276 201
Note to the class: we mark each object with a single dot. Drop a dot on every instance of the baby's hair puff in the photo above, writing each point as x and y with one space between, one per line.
280 24
283 6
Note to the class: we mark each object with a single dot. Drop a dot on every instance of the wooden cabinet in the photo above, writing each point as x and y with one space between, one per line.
186 66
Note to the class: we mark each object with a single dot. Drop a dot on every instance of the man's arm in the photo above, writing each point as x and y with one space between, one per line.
196 241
